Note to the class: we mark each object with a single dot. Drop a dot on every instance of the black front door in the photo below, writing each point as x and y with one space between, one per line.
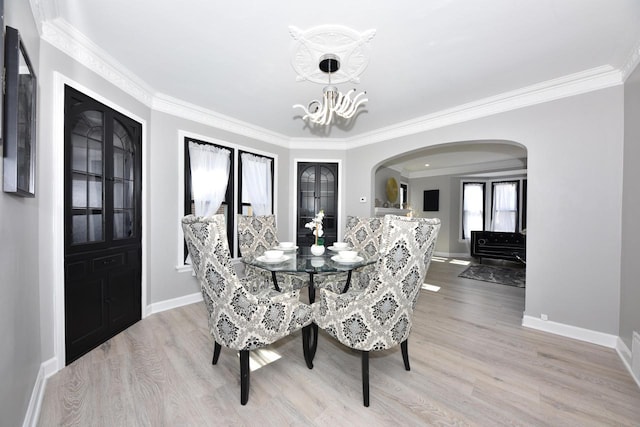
317 189
103 186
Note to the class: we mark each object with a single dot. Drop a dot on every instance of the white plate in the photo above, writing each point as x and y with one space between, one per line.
263 258
280 248
332 248
337 258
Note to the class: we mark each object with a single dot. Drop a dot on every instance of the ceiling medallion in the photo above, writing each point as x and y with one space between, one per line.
320 56
349 46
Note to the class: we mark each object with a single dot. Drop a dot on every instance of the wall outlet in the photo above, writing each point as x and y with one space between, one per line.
363 200
544 317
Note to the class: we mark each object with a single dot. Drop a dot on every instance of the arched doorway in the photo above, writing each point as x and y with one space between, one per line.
445 171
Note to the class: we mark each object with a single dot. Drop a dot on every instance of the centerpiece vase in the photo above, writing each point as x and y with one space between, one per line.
317 250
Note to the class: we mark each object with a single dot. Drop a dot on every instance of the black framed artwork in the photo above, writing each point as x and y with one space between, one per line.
19 118
431 200
1 59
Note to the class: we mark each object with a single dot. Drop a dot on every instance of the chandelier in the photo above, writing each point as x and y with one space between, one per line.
333 101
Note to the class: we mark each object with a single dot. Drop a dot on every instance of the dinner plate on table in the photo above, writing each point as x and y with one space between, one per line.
280 248
337 258
333 248
263 258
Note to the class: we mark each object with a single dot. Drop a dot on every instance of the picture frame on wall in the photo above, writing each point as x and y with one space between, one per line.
1 62
431 200
19 118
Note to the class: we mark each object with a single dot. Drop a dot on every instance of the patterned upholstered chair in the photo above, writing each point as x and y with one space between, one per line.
257 234
379 316
239 319
363 234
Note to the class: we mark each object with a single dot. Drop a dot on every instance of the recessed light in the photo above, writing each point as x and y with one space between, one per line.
426 165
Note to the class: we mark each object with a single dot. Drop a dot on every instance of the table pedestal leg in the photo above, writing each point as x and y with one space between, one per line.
275 281
312 289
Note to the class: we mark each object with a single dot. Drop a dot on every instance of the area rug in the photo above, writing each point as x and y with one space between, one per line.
495 274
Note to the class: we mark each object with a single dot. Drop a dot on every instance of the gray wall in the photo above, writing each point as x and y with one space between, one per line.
20 355
166 208
417 186
630 253
577 282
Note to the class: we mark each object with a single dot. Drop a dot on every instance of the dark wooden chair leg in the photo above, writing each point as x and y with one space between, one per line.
244 376
365 377
313 340
216 353
306 346
405 354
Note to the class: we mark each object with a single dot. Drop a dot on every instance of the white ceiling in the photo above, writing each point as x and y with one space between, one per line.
427 57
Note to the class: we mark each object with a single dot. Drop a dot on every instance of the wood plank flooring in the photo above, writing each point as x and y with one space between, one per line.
471 364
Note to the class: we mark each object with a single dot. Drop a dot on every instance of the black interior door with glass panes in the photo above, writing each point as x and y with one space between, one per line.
317 189
103 186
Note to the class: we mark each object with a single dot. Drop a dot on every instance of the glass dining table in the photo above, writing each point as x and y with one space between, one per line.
301 260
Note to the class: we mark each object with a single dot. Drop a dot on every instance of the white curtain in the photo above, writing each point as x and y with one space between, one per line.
505 206
209 177
256 183
473 209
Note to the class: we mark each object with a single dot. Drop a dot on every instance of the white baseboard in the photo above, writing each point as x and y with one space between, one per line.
47 369
594 337
173 303
626 356
451 255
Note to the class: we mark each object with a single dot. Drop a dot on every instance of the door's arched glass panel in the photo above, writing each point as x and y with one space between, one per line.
327 197
87 164
307 208
123 183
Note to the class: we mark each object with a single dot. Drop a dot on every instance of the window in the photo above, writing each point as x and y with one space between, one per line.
507 205
473 194
255 181
504 206
208 181
212 174
404 198
524 205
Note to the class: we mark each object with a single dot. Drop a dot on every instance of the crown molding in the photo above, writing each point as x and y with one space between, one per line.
67 39
501 165
43 11
570 85
632 62
179 108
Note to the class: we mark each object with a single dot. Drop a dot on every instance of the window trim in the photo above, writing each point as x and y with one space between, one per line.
521 191
183 135
484 207
241 203
228 196
518 184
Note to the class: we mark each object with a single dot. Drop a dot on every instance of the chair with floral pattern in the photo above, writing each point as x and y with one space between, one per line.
363 235
379 316
257 234
238 318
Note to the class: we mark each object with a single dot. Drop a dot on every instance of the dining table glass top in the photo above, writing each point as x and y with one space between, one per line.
301 259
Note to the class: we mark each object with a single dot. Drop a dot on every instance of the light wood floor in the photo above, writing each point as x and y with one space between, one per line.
471 364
